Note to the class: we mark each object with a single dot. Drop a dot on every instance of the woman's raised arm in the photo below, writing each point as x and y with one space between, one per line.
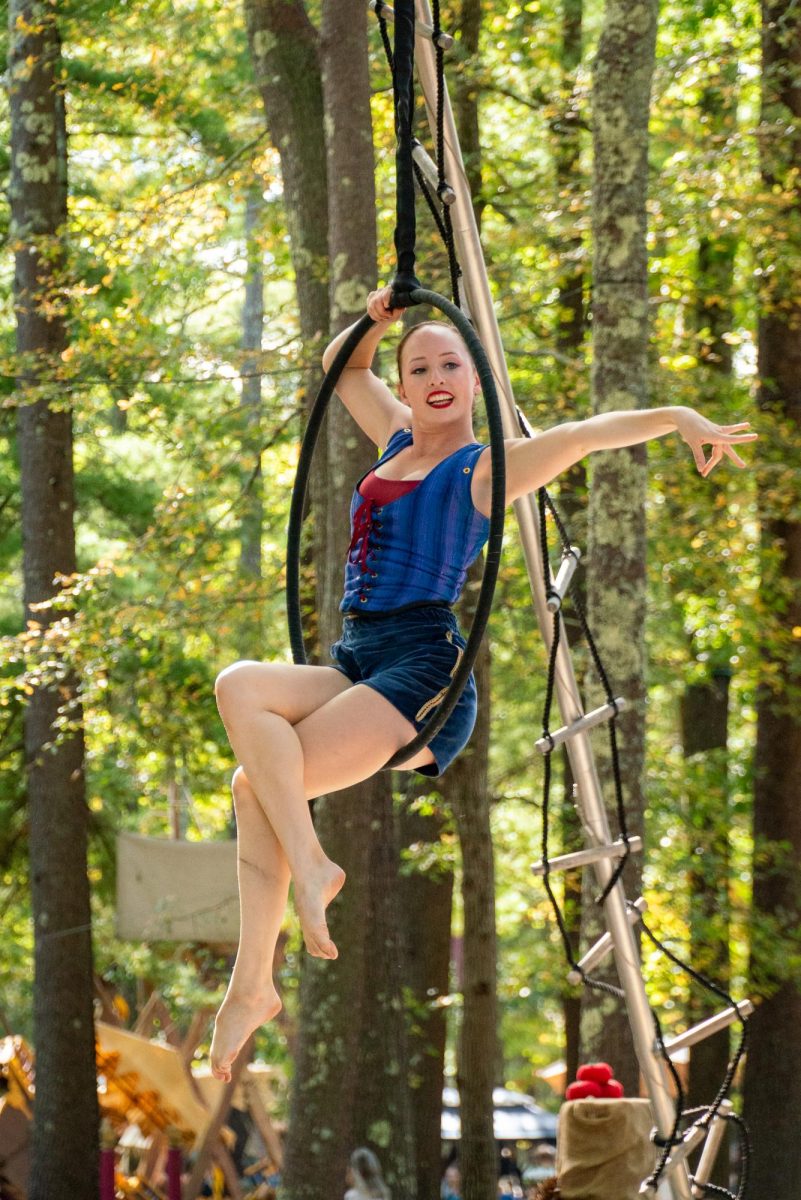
367 398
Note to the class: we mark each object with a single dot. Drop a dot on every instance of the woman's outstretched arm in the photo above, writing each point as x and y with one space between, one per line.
534 462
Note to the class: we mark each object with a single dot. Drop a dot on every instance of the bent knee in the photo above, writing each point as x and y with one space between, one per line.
241 679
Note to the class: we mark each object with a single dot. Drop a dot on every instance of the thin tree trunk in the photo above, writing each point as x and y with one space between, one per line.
380 1085
251 404
65 1142
773 1070
704 708
250 635
426 896
285 52
465 788
465 100
713 317
570 333
704 723
616 577
350 1084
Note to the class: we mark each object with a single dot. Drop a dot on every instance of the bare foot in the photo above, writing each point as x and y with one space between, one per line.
238 1017
313 893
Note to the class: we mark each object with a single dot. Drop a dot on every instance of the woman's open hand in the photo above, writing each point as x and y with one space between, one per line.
699 432
378 306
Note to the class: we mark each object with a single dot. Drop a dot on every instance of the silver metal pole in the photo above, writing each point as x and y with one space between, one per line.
584 772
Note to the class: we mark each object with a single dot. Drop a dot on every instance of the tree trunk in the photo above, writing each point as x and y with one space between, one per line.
426 896
616 577
773 1071
380 1095
65 1143
704 708
250 634
713 315
465 790
285 51
350 1083
465 100
570 333
704 724
251 404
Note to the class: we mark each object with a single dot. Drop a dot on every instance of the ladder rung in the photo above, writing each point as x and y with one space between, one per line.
711 1025
710 1151
429 168
690 1139
588 721
678 1155
444 41
599 951
582 858
558 590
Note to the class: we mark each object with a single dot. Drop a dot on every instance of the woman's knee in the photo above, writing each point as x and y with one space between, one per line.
234 683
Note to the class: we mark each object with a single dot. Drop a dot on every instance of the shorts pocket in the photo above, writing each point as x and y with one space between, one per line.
426 709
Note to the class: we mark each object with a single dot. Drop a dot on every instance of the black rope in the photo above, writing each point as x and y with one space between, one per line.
442 219
494 541
589 981
442 182
405 280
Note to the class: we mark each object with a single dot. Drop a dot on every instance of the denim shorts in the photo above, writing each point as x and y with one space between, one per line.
409 657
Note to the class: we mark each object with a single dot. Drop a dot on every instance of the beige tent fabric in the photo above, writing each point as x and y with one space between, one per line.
176 891
604 1151
148 1080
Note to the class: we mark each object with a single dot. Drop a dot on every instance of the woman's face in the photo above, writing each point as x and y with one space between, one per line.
438 379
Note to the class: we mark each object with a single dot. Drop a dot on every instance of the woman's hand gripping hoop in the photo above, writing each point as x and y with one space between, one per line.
494 542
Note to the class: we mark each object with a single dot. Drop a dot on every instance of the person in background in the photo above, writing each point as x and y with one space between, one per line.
541 1164
365 1177
451 1188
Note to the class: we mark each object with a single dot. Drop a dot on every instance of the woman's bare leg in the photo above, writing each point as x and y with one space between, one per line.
291 752
343 740
263 875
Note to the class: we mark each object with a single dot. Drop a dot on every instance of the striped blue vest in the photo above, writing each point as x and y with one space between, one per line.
416 549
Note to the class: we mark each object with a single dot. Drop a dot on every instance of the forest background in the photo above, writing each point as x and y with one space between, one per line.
178 243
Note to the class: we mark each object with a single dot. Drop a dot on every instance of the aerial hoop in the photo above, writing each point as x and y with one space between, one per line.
494 542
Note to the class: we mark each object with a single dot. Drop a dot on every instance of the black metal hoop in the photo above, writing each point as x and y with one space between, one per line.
494 541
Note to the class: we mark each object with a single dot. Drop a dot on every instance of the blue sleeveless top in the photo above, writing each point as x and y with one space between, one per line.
416 549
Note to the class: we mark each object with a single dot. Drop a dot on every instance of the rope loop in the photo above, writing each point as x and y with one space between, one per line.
402 287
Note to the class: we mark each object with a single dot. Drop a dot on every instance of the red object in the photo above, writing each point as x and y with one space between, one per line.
174 1163
595 1080
107 1188
595 1072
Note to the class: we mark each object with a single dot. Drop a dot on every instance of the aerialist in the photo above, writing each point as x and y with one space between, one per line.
418 518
